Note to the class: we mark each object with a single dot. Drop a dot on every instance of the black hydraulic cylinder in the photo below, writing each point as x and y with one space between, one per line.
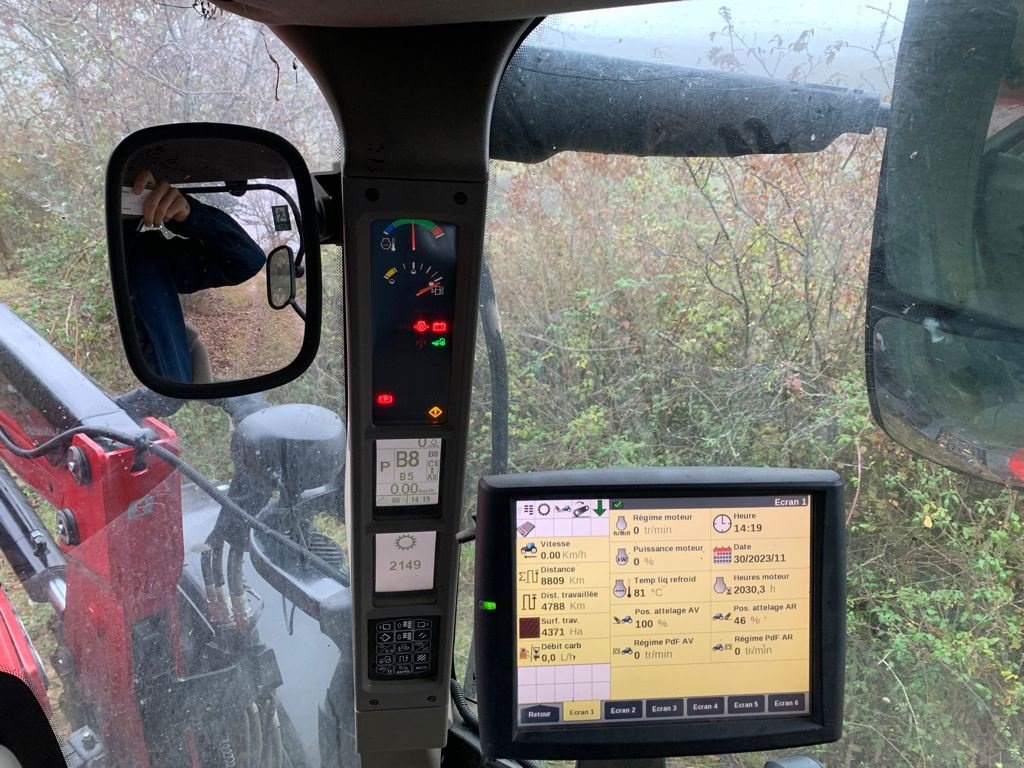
25 542
553 100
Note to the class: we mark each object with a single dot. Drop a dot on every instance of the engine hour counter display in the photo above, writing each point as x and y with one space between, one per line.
412 304
688 614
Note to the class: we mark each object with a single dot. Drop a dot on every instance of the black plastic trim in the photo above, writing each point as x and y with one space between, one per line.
496 632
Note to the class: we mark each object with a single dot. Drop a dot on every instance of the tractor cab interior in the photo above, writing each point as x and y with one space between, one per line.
457 450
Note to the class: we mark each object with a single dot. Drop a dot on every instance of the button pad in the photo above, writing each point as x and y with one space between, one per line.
694 708
403 648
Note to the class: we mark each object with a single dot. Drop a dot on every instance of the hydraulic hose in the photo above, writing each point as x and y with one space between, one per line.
256 745
210 562
462 705
236 587
217 559
61 441
244 752
497 360
273 754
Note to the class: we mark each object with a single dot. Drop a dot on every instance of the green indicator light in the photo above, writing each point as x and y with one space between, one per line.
488 605
439 342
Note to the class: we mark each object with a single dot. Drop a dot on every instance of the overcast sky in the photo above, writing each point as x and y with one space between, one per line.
679 33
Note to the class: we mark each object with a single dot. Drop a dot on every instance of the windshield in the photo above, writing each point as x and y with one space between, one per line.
655 311
710 311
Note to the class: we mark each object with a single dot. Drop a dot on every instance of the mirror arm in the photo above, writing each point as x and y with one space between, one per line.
620 106
329 218
298 310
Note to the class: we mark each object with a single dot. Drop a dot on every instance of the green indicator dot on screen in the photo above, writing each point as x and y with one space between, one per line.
488 605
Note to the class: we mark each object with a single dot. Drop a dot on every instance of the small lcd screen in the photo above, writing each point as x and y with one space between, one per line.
660 610
408 472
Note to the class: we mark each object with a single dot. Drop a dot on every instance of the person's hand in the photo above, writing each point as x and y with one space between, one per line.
165 203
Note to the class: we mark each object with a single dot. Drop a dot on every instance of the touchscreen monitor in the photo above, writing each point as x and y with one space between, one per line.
678 606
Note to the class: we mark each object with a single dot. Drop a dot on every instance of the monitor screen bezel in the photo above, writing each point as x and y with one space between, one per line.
496 637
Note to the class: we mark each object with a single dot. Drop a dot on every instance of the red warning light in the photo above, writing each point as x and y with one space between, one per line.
421 326
385 398
439 326
1017 464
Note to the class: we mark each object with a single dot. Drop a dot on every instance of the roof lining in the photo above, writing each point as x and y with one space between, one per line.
402 13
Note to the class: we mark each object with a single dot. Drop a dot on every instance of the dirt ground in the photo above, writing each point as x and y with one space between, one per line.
243 336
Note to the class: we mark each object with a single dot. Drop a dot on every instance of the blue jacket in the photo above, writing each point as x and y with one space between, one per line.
218 252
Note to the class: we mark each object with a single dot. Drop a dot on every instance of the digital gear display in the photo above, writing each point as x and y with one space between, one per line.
688 611
408 472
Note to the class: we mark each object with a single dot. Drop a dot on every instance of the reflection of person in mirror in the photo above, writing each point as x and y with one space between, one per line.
210 250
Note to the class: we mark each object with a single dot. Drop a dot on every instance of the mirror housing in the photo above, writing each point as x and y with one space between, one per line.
281 278
945 324
192 211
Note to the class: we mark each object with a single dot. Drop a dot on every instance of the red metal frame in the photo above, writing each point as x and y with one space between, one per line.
17 656
124 569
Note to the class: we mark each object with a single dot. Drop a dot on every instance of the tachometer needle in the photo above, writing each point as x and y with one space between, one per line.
429 287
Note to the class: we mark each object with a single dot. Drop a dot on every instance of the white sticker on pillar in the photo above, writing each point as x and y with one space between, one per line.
405 561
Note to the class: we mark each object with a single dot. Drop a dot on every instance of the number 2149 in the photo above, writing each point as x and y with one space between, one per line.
405 565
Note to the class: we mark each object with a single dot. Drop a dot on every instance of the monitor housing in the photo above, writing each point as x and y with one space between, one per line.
656 612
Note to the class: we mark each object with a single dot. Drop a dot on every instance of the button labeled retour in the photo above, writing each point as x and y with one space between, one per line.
742 705
705 706
623 710
787 702
666 708
539 713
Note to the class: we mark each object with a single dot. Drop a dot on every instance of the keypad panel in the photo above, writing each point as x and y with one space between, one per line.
403 648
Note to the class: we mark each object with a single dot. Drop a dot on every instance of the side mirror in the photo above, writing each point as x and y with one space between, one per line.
193 210
281 279
945 332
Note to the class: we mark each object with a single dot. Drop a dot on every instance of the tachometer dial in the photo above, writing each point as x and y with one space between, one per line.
413 304
423 278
